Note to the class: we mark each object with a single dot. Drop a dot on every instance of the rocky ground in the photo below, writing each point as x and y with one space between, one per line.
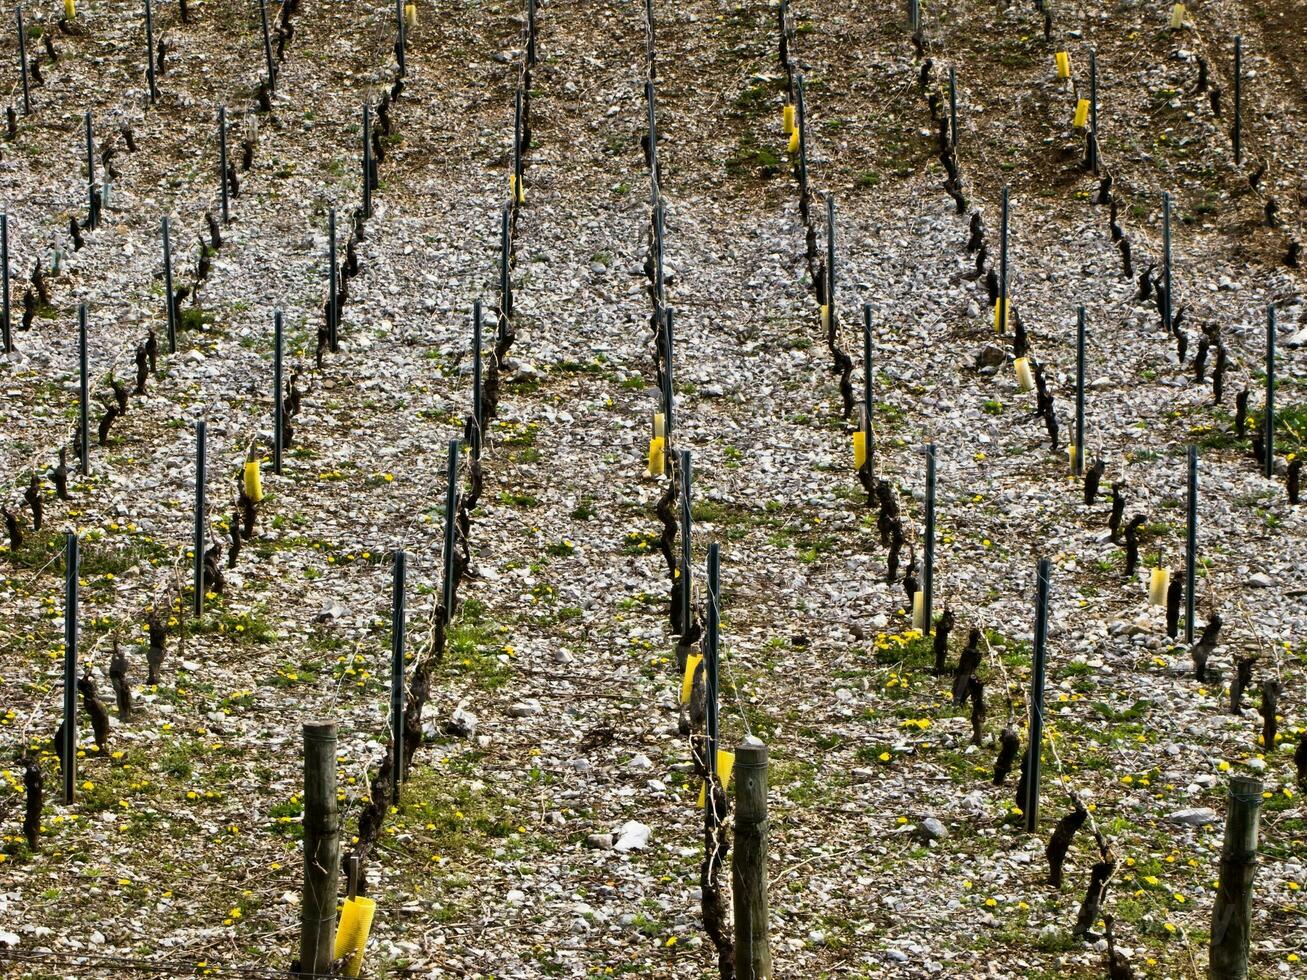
556 834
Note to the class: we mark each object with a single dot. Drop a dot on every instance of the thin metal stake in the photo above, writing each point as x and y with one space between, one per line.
1093 109
868 391
1079 462
802 122
1002 268
928 572
1191 547
1166 260
333 338
167 285
83 392
397 675
830 257
505 280
149 51
222 157
22 62
451 509
478 409
201 429
518 190
401 38
686 529
367 160
1269 422
1030 805
93 215
69 746
711 651
668 390
1237 135
953 106
278 405
6 326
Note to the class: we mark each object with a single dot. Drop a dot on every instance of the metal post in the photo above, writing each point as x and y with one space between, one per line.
149 51
93 212
668 389
222 156
953 106
267 45
1191 546
167 285
1237 135
278 404
69 746
928 571
1232 911
1269 422
686 592
478 409
830 258
749 864
1002 267
1166 260
397 675
200 522
1030 805
6 327
333 337
1079 462
367 160
451 509
868 390
321 849
711 649
83 392
22 63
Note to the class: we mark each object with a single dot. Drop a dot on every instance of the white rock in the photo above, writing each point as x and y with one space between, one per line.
633 836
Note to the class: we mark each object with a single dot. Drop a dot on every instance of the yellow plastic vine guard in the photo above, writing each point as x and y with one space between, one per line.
657 462
1006 307
1082 114
517 191
1071 452
253 480
1063 60
1177 17
1025 377
687 681
725 766
787 120
919 610
794 140
352 933
411 14
1158 585
70 9
859 449
825 317
659 425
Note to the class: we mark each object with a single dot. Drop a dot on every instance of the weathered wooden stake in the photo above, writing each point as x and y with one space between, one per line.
397 675
652 110
517 146
22 63
278 403
1237 134
6 325
668 392
830 258
1191 547
801 120
201 467
93 209
928 569
1093 110
401 39
1268 423
222 163
1232 912
1002 266
149 54
749 864
1035 733
451 509
1078 462
169 300
83 393
531 33
321 849
505 253
69 746
1166 261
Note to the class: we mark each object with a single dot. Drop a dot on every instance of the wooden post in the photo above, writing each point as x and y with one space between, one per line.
1233 910
222 164
22 63
868 392
321 848
1078 463
267 45
201 522
1237 135
1191 547
749 864
92 205
149 54
83 393
451 511
278 405
397 675
68 749
367 159
928 566
1268 420
685 594
333 289
1035 732
1166 261
478 406
5 325
1002 266
169 299
953 106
